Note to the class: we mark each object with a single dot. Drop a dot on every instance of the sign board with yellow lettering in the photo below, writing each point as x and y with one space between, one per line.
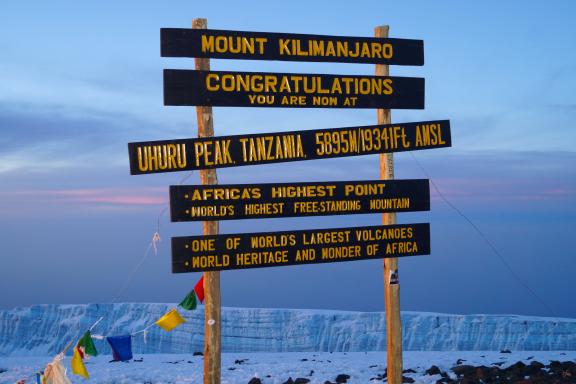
265 148
291 90
205 43
252 201
275 249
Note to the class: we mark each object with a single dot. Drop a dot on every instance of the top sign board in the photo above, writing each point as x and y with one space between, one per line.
204 43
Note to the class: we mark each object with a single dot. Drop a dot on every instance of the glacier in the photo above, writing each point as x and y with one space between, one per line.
45 329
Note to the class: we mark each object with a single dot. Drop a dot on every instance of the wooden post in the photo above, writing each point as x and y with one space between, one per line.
212 341
391 291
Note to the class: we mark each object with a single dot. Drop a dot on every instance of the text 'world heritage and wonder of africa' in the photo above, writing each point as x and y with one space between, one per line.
273 249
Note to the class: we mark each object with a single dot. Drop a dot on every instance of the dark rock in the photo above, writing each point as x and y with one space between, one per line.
301 380
533 368
518 373
498 363
311 372
268 375
2 370
328 382
565 370
515 371
303 359
289 381
197 354
189 362
505 351
372 366
460 361
240 361
342 378
445 380
139 360
231 368
406 379
408 371
463 370
255 380
485 374
433 370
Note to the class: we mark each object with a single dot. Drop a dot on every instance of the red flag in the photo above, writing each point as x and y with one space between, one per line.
199 289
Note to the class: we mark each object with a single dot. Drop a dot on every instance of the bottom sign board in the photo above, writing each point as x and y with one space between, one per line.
275 249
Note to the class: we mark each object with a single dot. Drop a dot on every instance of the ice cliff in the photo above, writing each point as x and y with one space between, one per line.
45 329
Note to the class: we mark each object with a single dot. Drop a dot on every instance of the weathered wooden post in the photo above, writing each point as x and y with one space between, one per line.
391 288
212 340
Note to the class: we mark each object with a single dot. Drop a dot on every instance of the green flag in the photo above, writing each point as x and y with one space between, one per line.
189 301
86 345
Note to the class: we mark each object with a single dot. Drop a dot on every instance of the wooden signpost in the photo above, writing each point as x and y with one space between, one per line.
209 202
266 148
258 201
275 249
391 282
212 303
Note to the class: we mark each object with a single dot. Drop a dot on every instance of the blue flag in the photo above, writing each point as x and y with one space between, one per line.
121 347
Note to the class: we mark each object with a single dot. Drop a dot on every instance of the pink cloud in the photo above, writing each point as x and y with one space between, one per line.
99 196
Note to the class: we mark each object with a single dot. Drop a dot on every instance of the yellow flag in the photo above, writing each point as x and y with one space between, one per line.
77 364
170 320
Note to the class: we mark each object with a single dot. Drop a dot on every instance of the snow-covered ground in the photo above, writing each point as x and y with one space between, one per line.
318 367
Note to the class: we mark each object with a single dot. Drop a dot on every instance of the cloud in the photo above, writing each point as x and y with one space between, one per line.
52 138
87 197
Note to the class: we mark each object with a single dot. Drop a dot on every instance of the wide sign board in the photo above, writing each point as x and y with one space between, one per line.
232 151
294 90
275 249
221 44
253 201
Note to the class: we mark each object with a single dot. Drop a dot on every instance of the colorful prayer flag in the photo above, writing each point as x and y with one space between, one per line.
77 364
121 347
189 302
199 289
54 373
170 320
86 345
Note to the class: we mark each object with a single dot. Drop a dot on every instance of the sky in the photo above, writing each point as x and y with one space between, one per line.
79 80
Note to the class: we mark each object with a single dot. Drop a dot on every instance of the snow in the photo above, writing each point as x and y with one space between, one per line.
273 368
45 329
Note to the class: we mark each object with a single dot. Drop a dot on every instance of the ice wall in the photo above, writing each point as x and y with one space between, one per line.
45 329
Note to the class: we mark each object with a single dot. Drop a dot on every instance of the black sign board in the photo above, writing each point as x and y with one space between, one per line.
274 249
180 42
293 90
265 148
252 201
